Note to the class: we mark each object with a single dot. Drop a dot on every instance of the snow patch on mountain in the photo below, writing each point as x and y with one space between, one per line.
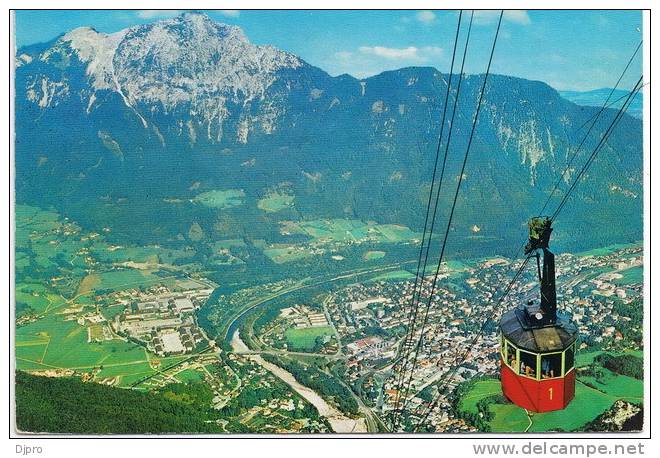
97 51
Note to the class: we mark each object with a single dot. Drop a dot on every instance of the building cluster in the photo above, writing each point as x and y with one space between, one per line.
304 317
597 284
370 348
164 323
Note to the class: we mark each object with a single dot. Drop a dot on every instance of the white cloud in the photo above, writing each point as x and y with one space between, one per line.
366 61
487 17
411 53
425 17
230 13
390 53
517 16
152 14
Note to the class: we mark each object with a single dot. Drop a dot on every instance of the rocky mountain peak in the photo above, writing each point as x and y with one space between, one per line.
180 60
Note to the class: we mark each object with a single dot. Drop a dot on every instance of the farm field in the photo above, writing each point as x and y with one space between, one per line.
149 255
116 279
119 279
603 251
632 275
36 298
586 358
190 375
129 374
66 346
54 334
227 244
126 374
305 338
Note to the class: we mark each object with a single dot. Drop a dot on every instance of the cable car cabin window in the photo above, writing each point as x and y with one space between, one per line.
569 358
551 365
511 356
527 364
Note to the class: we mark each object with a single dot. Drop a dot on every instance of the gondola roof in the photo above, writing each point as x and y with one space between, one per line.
546 339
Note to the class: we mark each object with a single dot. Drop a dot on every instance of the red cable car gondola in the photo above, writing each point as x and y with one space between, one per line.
537 346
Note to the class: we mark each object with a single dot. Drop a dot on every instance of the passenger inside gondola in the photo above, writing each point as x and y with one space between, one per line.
527 364
512 360
527 370
551 365
546 370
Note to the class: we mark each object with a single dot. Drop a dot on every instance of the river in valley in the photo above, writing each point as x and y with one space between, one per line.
339 422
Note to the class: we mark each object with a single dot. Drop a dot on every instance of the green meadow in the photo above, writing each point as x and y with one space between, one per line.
372 255
275 202
67 346
304 339
228 244
350 230
482 389
587 405
584 358
220 199
395 275
287 253
631 275
190 375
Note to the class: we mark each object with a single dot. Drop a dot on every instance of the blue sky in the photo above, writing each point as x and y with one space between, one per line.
578 50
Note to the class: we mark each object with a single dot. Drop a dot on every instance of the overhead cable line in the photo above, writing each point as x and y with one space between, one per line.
412 311
594 117
412 326
595 120
605 104
455 199
596 150
610 104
